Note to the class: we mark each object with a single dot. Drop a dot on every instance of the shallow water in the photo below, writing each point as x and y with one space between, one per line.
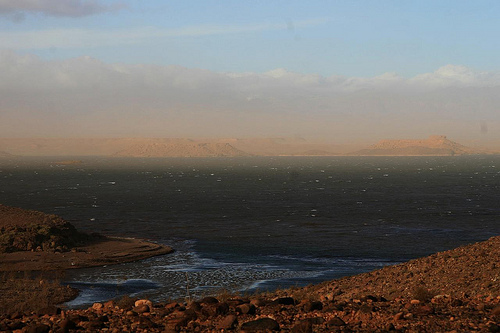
246 223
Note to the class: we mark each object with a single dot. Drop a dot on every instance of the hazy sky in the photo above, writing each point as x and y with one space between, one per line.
339 70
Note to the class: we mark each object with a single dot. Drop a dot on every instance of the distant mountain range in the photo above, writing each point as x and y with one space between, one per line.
4 154
191 149
437 145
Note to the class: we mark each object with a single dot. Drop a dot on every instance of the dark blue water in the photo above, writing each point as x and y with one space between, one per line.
246 223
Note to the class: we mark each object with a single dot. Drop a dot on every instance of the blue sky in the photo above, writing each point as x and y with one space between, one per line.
341 71
353 38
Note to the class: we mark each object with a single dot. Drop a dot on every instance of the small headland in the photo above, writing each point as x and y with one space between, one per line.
36 248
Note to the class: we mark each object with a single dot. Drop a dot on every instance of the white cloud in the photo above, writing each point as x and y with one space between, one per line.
86 97
71 8
457 76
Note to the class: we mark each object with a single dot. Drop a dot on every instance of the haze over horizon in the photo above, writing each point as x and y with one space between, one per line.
341 72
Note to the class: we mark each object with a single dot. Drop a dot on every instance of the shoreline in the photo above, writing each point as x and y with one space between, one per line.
35 241
106 251
456 290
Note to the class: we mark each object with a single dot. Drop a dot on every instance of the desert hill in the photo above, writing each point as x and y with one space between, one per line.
192 149
4 154
435 145
287 147
168 147
218 147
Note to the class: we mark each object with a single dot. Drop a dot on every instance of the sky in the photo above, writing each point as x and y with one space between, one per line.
340 71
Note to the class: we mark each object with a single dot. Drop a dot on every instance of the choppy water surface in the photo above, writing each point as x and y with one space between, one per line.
247 223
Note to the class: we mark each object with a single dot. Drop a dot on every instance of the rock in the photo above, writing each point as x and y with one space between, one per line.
16 325
258 302
183 320
496 311
234 302
302 327
66 325
365 308
190 314
229 322
16 315
260 325
38 328
196 306
142 308
313 306
103 319
424 310
97 306
50 310
315 320
109 304
209 300
222 308
408 316
145 323
95 325
390 327
286 301
370 298
77 317
335 322
399 316
494 328
171 306
143 301
414 301
246 308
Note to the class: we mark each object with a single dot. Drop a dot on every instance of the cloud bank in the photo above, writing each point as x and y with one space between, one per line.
86 97
69 8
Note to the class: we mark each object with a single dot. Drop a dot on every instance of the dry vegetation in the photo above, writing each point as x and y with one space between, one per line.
28 292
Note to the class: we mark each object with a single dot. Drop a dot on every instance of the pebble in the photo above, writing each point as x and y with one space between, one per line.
97 306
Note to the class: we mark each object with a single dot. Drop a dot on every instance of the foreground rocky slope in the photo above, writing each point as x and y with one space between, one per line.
452 291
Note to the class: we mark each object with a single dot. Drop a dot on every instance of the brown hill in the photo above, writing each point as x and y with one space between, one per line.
26 230
5 155
435 145
192 149
34 241
64 146
287 147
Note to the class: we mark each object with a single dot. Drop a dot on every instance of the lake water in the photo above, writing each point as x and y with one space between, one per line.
259 223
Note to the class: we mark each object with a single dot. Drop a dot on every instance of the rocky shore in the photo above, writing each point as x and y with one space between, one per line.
36 248
35 241
452 291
